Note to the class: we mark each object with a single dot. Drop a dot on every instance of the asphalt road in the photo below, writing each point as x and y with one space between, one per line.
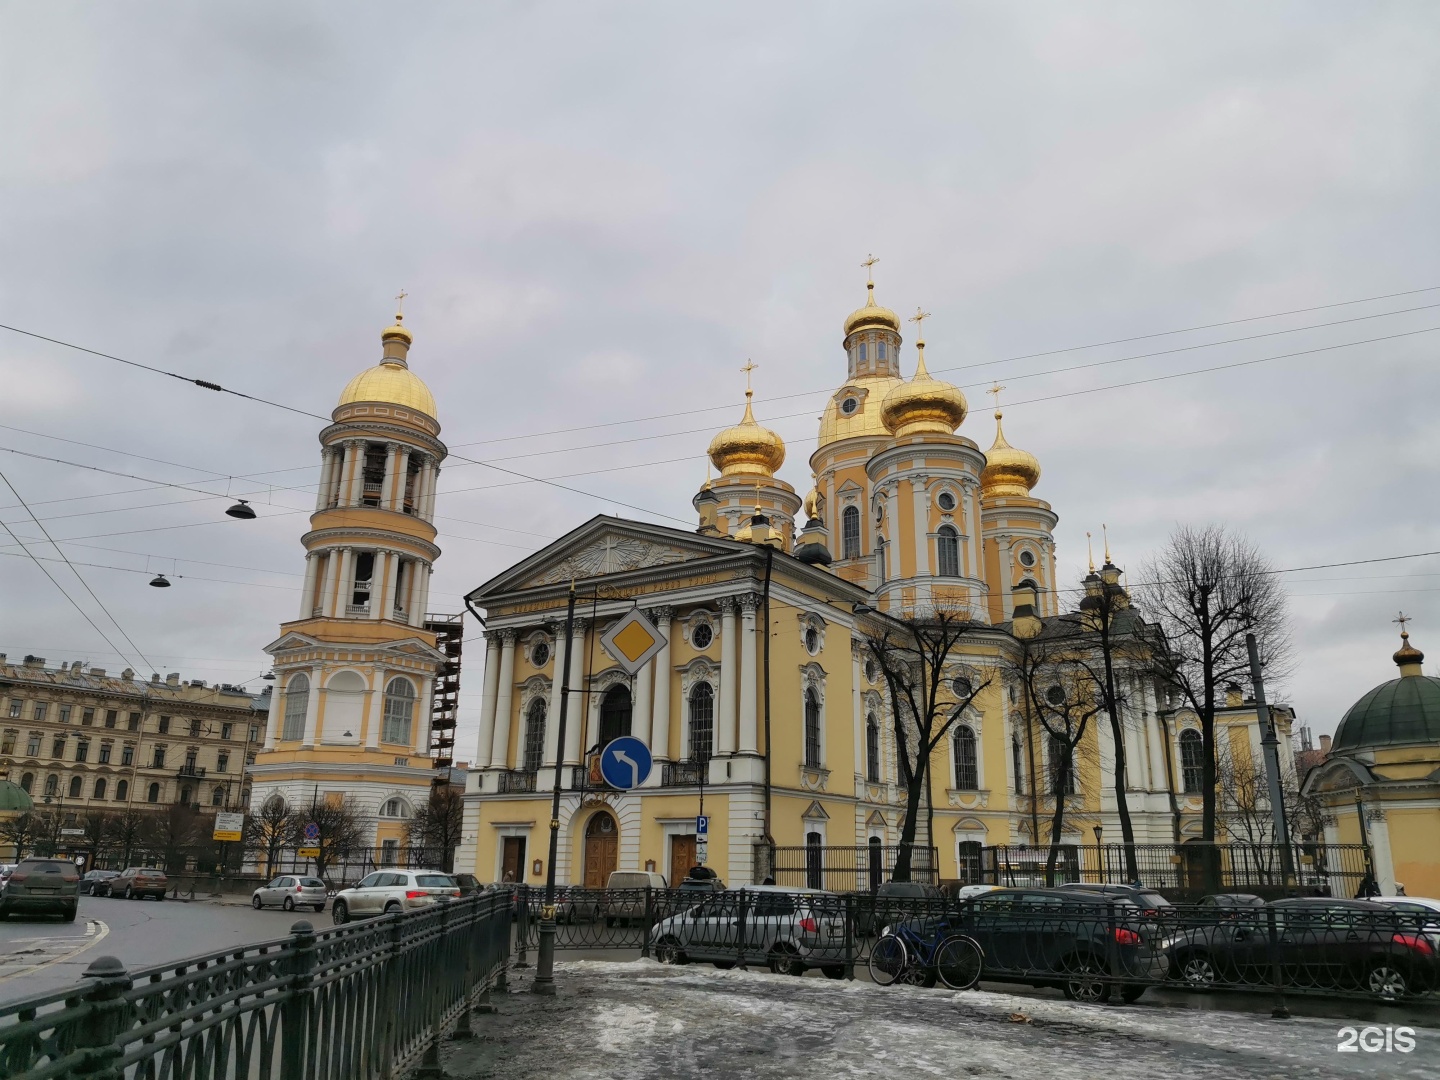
40 953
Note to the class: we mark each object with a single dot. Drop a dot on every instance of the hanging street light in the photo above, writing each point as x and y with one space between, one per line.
241 510
159 582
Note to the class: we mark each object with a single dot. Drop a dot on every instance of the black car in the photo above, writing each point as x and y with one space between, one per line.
893 901
1080 940
97 882
469 884
42 886
1320 944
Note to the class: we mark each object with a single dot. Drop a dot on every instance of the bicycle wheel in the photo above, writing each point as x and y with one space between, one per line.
958 962
888 960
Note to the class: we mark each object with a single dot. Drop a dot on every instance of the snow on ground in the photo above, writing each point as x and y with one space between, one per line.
642 1021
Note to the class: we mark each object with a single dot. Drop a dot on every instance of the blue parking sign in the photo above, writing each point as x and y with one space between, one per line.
702 825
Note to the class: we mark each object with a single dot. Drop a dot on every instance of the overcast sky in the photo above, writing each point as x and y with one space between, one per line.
601 210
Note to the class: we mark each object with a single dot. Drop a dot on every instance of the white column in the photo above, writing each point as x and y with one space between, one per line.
422 600
422 481
725 735
307 593
430 487
312 706
922 526
972 531
392 584
379 583
345 581
858 721
552 708
349 473
332 580
402 473
488 698
1007 573
575 718
1380 847
388 482
660 719
322 492
749 740
277 713
504 702
644 695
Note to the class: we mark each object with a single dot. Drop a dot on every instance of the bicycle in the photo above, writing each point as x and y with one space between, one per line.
904 954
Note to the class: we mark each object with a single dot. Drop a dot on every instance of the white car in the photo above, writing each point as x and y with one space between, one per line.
788 929
1426 909
388 891
290 891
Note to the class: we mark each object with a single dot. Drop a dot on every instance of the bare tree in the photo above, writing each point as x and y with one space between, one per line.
23 832
127 834
1209 588
270 831
438 826
97 826
341 829
173 832
928 693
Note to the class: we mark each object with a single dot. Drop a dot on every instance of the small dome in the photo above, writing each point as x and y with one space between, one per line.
391 381
13 797
747 448
924 405
1401 712
871 315
1008 471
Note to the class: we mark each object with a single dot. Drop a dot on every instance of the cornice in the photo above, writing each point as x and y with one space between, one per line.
319 537
346 430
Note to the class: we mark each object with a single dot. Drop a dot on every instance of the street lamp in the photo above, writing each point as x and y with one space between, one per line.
1104 855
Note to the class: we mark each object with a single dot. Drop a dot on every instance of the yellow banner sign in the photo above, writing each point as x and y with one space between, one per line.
309 852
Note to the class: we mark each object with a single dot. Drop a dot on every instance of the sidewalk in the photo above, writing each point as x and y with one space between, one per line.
642 1021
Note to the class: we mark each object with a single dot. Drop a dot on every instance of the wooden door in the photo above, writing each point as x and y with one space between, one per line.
512 859
682 857
602 849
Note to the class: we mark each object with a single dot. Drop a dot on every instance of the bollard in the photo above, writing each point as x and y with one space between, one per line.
740 932
295 1009
99 1031
849 936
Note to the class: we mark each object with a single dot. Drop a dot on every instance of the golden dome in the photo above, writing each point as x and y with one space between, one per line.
391 381
1008 471
872 314
864 420
924 405
747 448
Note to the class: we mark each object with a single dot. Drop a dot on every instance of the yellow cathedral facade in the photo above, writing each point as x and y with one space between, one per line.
764 706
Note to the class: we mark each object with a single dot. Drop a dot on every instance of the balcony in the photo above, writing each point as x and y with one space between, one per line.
195 772
681 773
515 782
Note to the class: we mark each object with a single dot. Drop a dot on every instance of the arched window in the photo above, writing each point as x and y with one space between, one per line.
217 797
702 722
399 711
872 749
534 751
395 808
1061 761
154 794
1017 764
968 857
75 787
27 782
850 532
52 785
947 551
814 862
967 763
615 714
297 700
100 788
122 790
812 729
1192 759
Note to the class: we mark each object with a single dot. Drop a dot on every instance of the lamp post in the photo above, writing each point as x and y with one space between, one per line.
545 966
1104 855
1270 745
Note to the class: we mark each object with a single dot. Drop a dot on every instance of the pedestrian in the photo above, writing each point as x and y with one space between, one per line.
509 878
769 880
1399 888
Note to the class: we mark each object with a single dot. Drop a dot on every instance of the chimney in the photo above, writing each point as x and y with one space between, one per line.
128 674
155 679
98 672
1025 620
172 679
1234 696
1325 745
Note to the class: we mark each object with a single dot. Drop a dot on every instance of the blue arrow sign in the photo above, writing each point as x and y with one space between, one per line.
702 825
625 762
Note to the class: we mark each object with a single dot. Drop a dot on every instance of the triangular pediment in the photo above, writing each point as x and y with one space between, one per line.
602 547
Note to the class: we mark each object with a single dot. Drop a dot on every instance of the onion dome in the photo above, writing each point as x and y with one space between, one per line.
924 405
872 315
391 381
1008 471
1401 712
14 798
747 449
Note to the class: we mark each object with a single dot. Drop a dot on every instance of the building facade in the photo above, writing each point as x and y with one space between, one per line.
767 706
350 719
81 741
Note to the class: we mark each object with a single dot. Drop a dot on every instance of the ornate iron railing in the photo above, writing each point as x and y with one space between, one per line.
515 782
681 773
363 1000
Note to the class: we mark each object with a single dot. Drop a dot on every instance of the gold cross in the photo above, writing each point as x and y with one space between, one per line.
750 366
870 261
1402 619
919 319
996 391
400 303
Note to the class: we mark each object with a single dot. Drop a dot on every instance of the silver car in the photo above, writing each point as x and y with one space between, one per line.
392 891
291 891
790 930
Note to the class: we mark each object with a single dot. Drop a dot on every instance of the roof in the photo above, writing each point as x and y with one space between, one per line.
1401 712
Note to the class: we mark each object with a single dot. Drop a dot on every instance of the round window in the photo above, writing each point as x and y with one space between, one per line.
963 687
871 671
1027 558
849 405
945 501
702 635
1055 696
540 654
812 641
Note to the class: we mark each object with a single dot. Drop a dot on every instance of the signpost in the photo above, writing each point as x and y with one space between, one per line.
702 825
311 850
633 641
229 827
625 762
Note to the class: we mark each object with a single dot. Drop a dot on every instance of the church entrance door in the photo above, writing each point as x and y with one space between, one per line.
602 850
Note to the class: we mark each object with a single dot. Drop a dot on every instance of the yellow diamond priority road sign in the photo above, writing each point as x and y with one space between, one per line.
633 641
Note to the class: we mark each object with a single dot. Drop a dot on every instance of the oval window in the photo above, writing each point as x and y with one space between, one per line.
871 672
945 501
1055 696
540 654
849 405
702 635
1027 558
812 641
963 687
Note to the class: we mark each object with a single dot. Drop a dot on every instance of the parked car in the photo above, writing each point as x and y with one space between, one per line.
1147 899
695 888
1427 909
1320 944
290 891
387 892
893 901
42 886
625 894
469 884
790 930
97 882
1083 941
138 882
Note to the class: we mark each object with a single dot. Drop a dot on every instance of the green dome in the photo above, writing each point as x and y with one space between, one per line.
1401 712
13 797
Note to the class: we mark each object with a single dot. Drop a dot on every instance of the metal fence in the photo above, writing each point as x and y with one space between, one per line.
1184 870
1089 945
360 1001
841 869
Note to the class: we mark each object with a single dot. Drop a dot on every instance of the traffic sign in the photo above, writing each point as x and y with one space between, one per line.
229 827
702 825
633 641
72 832
625 762
309 852
702 851
312 831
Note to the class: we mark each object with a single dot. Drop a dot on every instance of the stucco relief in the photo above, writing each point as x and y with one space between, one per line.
814 779
612 555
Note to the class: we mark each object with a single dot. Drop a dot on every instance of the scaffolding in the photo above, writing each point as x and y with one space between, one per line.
445 702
